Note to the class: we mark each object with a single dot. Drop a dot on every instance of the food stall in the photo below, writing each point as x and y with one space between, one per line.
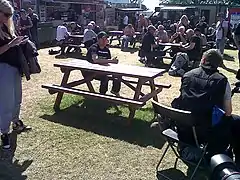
114 16
54 12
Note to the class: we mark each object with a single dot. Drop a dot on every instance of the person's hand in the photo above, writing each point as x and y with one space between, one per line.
115 60
25 40
16 41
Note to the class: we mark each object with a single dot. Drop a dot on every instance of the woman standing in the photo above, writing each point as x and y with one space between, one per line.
25 24
10 78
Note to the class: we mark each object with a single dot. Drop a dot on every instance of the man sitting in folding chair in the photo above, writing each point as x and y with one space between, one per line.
206 95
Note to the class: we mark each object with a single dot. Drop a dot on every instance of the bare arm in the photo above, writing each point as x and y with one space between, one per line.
183 39
227 106
236 40
190 46
97 60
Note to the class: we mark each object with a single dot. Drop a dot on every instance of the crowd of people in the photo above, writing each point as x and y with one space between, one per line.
26 24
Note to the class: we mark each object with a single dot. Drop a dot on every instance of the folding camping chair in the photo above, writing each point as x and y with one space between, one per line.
175 117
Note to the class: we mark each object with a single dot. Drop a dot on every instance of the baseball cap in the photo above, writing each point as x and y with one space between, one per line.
102 34
212 59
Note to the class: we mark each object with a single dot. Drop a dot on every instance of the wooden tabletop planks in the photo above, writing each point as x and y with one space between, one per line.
112 69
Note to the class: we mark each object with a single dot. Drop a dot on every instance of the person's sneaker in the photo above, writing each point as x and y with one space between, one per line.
115 93
5 141
20 127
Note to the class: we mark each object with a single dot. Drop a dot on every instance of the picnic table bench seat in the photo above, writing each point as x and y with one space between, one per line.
119 100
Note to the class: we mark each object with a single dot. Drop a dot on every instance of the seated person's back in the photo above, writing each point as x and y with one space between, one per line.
89 36
147 42
201 90
62 32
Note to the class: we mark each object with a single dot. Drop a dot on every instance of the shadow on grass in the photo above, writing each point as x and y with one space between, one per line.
171 173
228 57
76 55
10 168
229 69
178 174
94 116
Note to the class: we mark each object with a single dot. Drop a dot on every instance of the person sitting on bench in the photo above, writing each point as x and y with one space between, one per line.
203 38
178 37
150 48
128 36
89 36
62 34
162 35
194 47
99 53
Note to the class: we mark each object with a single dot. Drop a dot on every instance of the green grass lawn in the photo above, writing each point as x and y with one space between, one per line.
90 139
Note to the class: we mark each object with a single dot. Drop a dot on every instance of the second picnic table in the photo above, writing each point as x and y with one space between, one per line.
142 75
119 34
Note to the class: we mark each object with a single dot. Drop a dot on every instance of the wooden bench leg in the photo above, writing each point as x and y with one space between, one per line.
153 88
132 109
60 94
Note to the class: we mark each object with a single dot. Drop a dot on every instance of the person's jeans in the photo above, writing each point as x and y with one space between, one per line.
34 34
220 45
104 84
153 57
10 96
125 41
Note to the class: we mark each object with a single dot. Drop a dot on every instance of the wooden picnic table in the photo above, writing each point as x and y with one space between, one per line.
116 35
140 76
80 36
170 44
74 40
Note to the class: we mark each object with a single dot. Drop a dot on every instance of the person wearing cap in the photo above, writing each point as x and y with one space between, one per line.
96 28
99 53
221 32
202 89
25 24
